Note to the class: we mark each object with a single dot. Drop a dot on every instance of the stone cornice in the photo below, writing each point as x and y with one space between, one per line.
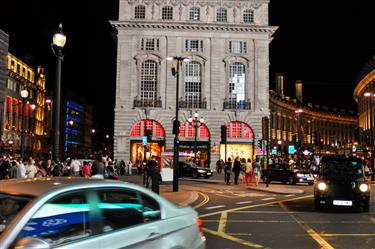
363 83
227 3
317 115
197 27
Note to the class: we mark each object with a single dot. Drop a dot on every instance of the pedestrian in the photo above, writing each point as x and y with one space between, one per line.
76 165
236 169
228 170
218 165
139 167
256 171
130 166
97 168
243 171
249 172
86 169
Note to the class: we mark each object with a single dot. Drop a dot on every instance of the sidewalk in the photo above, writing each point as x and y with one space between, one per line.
183 197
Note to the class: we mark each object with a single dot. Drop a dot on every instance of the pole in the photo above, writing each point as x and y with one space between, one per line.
23 129
176 150
371 138
195 141
57 102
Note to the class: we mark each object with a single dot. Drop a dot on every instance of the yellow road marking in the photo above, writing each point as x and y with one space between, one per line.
308 229
206 198
288 221
234 239
223 222
348 235
255 205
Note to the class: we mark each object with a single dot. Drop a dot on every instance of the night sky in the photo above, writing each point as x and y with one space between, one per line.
323 43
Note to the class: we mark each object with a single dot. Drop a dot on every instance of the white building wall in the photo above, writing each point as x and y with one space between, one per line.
215 58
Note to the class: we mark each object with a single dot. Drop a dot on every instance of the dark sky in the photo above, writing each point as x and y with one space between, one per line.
323 43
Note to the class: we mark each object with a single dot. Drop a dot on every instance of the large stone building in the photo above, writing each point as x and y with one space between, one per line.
226 79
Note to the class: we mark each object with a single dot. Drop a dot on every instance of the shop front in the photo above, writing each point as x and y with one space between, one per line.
141 149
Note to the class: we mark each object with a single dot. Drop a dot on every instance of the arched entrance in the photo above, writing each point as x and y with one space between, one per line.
240 141
188 144
140 148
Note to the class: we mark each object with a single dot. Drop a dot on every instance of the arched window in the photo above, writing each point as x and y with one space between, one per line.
193 85
140 12
248 16
138 129
236 84
149 79
188 130
194 14
221 15
167 13
238 129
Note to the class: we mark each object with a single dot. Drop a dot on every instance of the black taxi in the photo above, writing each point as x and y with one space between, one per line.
341 183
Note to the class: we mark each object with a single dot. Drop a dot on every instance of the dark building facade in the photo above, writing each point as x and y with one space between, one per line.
4 42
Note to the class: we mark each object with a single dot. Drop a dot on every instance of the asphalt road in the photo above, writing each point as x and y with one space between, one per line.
235 217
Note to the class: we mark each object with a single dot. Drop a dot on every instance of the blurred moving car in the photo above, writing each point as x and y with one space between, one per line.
341 182
286 174
192 170
90 213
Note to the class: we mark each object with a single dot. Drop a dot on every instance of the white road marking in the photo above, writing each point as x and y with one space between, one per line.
220 206
289 195
267 199
244 202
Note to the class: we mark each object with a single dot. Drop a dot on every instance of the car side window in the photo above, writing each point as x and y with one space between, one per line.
120 209
61 220
151 209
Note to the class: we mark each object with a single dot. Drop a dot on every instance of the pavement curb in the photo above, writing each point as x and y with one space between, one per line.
193 197
202 180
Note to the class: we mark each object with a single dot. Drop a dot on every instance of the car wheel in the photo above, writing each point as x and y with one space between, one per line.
291 180
194 175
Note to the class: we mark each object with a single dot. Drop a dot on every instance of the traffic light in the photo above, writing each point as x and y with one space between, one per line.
260 143
223 134
148 135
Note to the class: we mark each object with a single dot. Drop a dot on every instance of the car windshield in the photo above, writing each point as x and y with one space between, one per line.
343 167
10 206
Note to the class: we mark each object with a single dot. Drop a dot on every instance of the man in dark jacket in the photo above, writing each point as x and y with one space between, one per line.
97 167
236 169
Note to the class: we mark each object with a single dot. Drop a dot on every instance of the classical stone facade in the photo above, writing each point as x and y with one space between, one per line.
225 80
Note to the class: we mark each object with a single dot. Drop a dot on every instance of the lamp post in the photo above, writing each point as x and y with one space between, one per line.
58 42
196 123
370 129
176 123
299 135
24 94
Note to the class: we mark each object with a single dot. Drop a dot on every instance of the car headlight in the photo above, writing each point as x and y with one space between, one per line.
322 186
299 175
201 171
363 187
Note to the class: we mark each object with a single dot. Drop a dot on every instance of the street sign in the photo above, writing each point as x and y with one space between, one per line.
144 140
291 149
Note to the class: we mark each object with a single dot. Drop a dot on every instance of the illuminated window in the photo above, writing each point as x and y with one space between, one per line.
236 84
149 80
248 16
155 127
193 85
194 13
187 130
167 13
238 129
140 12
221 15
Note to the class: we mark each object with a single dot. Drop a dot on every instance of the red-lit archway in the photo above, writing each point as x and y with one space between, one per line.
140 152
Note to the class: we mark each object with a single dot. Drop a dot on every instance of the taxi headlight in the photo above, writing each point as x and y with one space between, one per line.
363 187
201 171
300 175
322 186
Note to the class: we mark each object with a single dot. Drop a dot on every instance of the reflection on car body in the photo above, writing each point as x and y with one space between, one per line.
341 182
92 213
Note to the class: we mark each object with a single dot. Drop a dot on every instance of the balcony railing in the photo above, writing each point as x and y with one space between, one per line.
241 105
187 104
147 103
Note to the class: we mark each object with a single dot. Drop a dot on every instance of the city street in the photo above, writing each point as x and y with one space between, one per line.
235 217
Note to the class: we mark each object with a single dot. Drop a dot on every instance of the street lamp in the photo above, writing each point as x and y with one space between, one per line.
24 94
299 135
58 42
176 123
196 123
370 129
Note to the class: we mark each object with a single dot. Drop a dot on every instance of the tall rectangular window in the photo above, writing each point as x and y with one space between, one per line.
238 47
193 85
149 81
